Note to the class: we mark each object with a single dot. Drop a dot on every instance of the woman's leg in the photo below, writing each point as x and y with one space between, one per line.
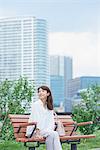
57 144
53 141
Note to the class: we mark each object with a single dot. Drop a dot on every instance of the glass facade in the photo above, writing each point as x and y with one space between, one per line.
41 58
10 49
24 49
57 87
60 73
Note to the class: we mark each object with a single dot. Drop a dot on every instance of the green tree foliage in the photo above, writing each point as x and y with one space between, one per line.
89 109
13 94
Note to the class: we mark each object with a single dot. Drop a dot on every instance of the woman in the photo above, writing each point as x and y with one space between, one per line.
42 113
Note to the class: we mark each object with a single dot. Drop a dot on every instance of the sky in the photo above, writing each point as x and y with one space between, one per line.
73 28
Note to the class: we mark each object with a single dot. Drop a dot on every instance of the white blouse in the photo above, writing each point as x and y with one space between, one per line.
43 116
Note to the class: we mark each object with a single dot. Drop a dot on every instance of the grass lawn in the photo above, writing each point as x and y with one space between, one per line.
85 144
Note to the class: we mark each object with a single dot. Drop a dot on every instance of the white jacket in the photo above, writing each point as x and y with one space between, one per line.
43 116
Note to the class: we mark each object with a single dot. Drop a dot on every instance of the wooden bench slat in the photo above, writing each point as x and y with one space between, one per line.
18 116
76 137
21 130
19 135
19 120
69 128
65 120
17 124
69 132
65 117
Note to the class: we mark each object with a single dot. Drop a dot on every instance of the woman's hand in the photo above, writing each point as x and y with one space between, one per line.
37 134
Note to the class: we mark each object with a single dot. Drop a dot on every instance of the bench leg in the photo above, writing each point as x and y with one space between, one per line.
73 146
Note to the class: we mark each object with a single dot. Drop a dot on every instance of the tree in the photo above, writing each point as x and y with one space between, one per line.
13 94
89 109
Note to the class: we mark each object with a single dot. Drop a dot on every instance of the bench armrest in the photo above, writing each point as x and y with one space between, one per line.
76 125
84 123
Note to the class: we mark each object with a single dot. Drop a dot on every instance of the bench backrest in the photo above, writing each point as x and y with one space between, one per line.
17 120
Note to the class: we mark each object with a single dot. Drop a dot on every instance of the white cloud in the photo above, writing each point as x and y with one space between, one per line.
83 47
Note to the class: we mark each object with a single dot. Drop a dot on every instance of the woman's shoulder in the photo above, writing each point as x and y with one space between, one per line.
37 102
50 111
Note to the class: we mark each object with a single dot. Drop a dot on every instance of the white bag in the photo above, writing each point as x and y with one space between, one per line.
60 128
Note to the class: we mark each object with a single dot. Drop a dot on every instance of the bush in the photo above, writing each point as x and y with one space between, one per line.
88 109
12 95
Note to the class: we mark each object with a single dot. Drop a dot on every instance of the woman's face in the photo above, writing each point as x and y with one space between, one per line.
43 94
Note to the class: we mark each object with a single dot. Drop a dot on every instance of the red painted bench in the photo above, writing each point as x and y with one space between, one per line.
20 123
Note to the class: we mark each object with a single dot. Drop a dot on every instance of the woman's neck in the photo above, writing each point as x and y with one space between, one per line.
44 102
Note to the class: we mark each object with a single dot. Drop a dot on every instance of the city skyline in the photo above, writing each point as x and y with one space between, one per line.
74 29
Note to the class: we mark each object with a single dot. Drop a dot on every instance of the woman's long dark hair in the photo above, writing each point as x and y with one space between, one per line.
49 98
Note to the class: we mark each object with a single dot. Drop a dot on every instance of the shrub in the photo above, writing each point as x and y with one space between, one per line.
12 95
88 109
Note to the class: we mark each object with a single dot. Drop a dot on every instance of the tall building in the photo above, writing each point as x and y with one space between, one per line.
60 73
24 49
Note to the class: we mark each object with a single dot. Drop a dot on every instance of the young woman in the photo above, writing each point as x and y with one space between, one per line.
42 113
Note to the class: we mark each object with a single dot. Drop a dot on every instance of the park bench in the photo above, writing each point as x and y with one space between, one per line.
72 137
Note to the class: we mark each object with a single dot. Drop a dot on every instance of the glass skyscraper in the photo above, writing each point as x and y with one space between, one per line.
24 49
60 73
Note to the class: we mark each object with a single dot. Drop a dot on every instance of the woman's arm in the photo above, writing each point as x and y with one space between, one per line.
51 121
34 117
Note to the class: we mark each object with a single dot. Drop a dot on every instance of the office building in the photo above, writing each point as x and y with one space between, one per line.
60 73
24 49
79 84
